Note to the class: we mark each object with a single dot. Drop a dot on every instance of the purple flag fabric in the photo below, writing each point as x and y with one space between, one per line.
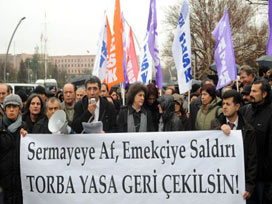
151 50
153 41
269 43
224 53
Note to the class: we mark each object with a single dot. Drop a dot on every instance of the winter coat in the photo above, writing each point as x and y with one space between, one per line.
69 112
107 114
260 117
204 118
194 108
122 119
250 148
170 120
10 179
154 110
41 127
28 124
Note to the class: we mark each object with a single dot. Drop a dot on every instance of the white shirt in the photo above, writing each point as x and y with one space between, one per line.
96 112
235 123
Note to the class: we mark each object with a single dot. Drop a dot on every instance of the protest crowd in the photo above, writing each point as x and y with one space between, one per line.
147 109
244 104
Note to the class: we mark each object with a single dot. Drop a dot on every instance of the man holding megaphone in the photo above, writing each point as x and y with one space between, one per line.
92 107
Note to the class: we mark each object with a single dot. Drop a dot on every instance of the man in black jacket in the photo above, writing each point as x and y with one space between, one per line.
259 115
233 120
92 107
10 126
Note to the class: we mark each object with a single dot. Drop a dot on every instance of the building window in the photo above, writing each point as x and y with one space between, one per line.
88 65
68 65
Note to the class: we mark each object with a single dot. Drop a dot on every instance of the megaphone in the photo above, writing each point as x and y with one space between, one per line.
58 123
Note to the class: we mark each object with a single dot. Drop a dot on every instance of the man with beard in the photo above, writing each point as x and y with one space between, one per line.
246 94
259 115
10 128
233 120
264 72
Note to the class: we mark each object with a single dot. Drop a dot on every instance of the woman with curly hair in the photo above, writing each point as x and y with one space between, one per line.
134 117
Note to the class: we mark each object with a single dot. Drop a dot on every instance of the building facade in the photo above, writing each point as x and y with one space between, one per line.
72 64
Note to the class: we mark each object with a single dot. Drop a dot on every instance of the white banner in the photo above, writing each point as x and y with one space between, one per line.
181 49
167 167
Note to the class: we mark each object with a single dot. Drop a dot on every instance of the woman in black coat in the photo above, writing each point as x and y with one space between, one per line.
34 111
134 117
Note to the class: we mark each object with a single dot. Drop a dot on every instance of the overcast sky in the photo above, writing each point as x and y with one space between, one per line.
72 25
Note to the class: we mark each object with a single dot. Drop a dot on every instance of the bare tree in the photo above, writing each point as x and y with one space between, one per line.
249 34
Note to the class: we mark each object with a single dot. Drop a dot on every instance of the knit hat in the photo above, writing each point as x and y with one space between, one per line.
13 99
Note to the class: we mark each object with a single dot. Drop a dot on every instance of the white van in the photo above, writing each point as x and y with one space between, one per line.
27 88
47 83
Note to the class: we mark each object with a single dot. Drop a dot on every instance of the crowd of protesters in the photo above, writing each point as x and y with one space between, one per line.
244 105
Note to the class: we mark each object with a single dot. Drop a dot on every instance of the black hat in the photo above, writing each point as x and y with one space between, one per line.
246 90
39 90
22 95
195 87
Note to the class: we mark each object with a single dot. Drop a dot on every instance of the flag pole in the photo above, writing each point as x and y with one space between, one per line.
189 96
122 93
138 44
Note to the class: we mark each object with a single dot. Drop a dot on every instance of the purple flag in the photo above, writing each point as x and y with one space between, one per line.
151 42
269 43
224 53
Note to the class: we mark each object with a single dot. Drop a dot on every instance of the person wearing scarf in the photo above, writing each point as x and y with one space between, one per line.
10 128
134 117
